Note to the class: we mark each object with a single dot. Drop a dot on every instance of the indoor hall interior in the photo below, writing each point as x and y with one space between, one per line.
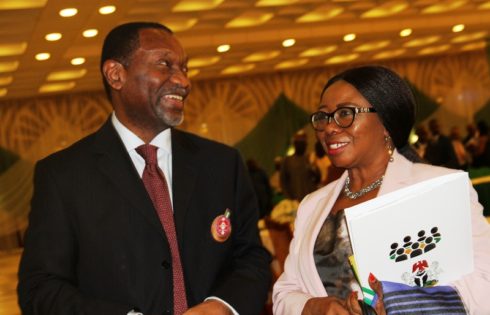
252 63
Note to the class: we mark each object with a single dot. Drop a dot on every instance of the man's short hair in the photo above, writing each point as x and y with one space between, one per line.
121 42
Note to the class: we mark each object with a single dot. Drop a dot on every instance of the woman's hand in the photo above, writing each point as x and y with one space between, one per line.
331 305
377 286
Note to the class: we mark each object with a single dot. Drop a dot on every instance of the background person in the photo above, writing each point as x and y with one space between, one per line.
439 150
298 176
262 188
482 150
364 121
95 242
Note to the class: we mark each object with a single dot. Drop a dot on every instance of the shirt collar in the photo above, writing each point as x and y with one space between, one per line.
131 141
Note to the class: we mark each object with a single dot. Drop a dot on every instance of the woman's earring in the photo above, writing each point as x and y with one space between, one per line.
389 145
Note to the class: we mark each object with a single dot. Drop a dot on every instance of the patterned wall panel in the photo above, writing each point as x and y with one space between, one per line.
35 128
227 109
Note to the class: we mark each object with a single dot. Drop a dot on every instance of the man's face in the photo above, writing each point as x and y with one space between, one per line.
156 83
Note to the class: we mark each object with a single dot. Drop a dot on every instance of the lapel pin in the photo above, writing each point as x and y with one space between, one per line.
221 227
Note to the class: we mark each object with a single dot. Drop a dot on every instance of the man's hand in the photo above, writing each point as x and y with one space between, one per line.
209 307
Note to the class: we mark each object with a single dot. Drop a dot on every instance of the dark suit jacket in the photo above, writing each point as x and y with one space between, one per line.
95 244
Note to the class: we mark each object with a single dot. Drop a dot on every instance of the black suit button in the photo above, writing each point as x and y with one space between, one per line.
165 264
166 312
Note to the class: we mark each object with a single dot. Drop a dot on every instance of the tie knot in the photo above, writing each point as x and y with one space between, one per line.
148 152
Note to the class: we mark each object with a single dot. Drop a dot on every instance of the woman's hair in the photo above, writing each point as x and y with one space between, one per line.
390 95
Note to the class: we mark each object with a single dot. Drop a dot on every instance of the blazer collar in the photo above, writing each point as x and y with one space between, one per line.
114 162
397 174
185 166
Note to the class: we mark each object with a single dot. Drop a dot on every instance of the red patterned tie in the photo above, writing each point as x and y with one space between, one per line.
156 185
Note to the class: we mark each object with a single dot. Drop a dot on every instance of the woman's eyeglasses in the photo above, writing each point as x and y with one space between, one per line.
343 117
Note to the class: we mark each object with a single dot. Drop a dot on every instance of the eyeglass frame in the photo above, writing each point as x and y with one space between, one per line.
331 116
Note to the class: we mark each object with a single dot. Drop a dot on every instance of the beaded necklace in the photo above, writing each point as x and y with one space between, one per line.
354 195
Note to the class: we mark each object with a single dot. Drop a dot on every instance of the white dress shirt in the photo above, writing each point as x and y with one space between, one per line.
164 152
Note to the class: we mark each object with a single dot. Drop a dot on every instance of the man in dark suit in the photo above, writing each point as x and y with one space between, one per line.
95 243
440 150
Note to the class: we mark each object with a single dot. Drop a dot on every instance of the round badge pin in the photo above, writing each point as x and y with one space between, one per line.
221 227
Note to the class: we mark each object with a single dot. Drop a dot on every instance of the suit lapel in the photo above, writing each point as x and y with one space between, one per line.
114 162
184 174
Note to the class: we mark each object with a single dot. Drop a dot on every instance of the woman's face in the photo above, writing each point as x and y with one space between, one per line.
362 143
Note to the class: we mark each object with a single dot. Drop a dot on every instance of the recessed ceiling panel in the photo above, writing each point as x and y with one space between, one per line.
262 56
196 5
323 13
250 18
293 63
342 58
238 68
12 49
21 4
444 6
423 41
318 51
386 9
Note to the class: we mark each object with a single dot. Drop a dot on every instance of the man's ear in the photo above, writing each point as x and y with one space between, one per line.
114 73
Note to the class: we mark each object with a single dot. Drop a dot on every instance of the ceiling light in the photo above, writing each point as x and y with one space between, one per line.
406 32
341 58
238 68
291 63
250 18
8 66
66 75
77 61
108 9
349 37
386 9
3 92
458 28
262 56
52 37
223 48
56 87
323 13
6 80
288 42
42 56
202 61
12 49
90 33
318 51
195 5
68 12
